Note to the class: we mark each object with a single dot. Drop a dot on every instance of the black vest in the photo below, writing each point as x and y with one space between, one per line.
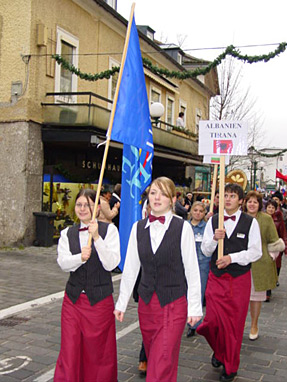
91 276
162 272
237 242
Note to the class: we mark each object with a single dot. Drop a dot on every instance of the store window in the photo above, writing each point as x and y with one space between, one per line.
202 179
65 81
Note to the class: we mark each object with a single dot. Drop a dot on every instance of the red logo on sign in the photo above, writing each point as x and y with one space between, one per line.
222 146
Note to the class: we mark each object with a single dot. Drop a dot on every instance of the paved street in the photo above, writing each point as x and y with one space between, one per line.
30 333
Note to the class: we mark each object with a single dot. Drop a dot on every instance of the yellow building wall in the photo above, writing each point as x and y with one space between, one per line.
15 21
19 34
97 32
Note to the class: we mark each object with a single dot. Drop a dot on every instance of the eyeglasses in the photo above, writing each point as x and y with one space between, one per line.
85 205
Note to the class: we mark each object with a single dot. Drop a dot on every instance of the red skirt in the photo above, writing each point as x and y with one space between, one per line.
227 301
162 329
88 342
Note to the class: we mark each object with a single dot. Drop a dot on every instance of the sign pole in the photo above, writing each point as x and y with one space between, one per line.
221 204
213 189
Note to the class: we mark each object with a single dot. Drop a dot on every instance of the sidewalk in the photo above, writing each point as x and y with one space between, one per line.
32 337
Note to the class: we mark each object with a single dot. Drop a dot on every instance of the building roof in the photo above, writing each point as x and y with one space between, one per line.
159 47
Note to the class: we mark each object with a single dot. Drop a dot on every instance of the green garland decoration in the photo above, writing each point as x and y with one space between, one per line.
230 50
85 76
252 148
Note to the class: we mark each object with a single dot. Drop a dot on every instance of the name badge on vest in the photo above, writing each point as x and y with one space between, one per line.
240 235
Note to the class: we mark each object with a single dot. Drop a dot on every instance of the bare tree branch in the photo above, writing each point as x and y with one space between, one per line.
236 103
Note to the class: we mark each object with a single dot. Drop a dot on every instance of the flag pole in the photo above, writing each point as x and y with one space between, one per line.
112 118
213 189
221 204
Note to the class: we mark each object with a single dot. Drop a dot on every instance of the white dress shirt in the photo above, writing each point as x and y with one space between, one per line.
254 250
108 249
189 258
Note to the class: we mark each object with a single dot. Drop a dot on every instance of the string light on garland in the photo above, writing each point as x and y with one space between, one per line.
230 50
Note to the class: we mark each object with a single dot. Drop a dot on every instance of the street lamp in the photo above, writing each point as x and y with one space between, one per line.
156 112
257 166
261 165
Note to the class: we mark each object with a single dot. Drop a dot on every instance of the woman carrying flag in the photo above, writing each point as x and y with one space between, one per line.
88 335
169 291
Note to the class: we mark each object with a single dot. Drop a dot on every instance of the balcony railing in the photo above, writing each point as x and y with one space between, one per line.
75 109
84 109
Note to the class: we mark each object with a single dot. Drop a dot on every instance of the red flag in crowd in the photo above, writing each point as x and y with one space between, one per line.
281 176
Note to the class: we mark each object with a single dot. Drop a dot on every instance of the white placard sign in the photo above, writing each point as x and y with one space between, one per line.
222 138
215 159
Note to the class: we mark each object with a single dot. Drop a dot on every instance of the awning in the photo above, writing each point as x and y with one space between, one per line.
162 82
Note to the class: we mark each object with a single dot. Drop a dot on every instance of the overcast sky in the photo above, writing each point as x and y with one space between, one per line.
209 24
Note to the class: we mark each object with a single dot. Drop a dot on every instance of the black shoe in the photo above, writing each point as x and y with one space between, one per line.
227 377
190 332
277 284
215 362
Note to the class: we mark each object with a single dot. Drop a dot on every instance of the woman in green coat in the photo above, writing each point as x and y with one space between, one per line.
263 271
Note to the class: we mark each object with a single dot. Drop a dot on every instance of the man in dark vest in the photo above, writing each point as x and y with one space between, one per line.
229 282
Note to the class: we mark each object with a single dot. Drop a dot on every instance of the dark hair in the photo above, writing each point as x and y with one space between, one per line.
277 194
117 189
181 114
272 203
257 196
105 190
88 194
234 187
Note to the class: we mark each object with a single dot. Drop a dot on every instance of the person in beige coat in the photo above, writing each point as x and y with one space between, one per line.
264 273
106 213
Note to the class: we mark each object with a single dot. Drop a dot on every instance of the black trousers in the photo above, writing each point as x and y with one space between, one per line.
142 357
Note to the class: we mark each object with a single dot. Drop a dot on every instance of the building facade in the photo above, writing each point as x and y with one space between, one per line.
51 121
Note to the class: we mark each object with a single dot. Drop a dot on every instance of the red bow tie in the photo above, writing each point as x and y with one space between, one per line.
83 229
233 217
152 218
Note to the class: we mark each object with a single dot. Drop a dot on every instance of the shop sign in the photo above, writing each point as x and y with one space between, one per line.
94 165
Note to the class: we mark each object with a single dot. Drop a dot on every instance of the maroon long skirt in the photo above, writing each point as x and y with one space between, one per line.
88 342
162 329
227 300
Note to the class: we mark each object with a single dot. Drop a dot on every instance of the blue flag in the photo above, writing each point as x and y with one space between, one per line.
136 176
132 118
133 128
